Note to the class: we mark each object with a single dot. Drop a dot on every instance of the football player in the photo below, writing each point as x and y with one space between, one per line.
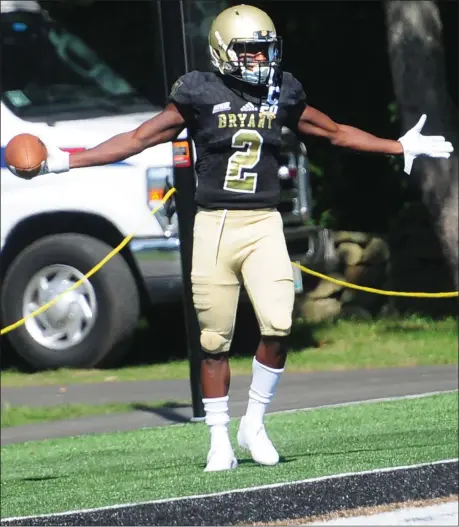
235 115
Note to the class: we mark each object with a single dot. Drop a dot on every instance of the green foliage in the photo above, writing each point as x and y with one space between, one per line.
327 220
324 218
393 112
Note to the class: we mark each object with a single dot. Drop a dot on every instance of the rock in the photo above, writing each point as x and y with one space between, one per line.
353 273
361 238
366 275
325 289
348 296
376 252
349 253
322 309
373 276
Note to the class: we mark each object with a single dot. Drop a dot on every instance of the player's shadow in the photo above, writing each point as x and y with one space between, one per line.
41 478
410 446
166 411
249 461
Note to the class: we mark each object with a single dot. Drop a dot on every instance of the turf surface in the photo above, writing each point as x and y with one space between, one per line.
100 470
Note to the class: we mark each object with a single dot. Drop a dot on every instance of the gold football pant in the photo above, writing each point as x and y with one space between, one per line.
234 247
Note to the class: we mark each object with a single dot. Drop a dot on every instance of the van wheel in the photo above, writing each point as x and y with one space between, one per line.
85 328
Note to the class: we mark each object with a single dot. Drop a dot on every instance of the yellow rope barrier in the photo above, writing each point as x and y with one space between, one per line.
126 240
372 289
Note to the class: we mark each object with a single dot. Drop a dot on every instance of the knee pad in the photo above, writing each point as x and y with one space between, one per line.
213 342
276 322
281 323
274 307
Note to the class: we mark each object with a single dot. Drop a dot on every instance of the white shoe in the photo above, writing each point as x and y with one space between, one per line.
220 459
253 437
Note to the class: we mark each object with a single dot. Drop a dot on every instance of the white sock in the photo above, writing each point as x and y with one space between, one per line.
262 390
217 418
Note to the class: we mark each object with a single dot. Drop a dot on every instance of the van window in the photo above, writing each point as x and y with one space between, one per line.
48 72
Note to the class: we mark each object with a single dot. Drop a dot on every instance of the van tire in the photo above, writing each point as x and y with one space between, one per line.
117 302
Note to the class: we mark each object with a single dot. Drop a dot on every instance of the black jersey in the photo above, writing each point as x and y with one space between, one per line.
237 135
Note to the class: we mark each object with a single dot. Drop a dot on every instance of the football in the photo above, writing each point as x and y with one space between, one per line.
25 153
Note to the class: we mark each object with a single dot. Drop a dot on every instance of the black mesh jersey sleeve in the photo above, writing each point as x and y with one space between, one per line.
295 100
185 95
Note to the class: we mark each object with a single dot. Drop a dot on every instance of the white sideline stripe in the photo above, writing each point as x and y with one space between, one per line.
365 401
235 491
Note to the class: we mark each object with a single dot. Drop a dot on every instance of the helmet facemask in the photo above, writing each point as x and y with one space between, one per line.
240 57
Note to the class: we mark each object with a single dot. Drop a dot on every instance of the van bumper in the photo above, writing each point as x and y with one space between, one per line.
311 246
159 264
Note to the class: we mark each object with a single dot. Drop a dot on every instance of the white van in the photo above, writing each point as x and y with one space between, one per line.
55 228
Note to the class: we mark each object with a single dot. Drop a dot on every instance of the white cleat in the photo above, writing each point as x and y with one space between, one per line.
220 459
253 437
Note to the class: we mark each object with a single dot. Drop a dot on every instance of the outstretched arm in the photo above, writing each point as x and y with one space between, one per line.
162 128
314 122
412 144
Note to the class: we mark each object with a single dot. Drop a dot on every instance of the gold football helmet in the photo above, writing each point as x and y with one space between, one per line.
243 43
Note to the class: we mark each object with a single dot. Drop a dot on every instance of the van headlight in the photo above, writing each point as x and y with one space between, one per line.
158 178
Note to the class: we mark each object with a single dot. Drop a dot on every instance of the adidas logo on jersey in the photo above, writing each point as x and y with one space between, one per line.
249 107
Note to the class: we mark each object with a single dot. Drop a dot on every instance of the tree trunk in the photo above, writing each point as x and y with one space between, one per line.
414 35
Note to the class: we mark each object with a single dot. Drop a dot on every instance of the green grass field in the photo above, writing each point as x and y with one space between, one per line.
23 415
93 471
344 345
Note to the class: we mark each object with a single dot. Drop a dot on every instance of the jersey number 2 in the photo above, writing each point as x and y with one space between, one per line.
238 179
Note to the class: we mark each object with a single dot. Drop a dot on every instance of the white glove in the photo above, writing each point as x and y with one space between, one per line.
414 145
57 161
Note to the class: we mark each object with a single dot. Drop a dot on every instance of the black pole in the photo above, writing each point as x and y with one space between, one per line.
175 65
185 184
